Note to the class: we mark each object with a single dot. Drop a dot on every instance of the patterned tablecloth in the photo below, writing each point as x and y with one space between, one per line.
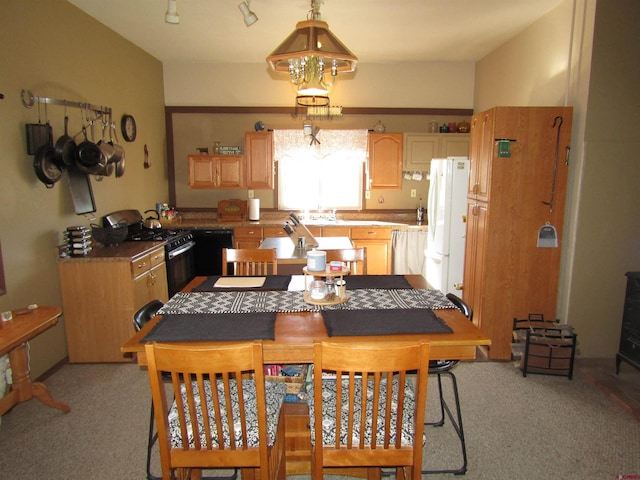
285 301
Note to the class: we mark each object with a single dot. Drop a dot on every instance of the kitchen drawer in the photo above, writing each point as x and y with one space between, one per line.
144 263
316 231
365 233
140 265
274 232
157 257
248 232
336 232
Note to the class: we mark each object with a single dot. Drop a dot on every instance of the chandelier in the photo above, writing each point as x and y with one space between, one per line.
313 57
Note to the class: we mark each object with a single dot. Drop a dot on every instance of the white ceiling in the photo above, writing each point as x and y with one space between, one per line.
376 31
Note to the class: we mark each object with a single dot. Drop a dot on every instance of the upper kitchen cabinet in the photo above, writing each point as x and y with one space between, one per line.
481 155
385 160
420 148
258 151
216 171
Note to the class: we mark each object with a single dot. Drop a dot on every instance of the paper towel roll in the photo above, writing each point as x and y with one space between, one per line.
254 209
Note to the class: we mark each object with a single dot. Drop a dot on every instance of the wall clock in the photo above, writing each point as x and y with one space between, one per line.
128 127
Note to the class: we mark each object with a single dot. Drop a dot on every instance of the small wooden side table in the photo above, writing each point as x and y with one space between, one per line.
13 337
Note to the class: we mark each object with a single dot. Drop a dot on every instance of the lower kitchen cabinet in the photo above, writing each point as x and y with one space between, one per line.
378 243
376 239
100 296
247 237
475 255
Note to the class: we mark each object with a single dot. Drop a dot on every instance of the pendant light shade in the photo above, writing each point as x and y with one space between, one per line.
312 38
313 57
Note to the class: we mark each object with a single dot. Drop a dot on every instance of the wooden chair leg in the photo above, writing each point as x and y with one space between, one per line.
374 473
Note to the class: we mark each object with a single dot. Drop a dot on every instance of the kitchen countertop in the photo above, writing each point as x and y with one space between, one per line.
207 223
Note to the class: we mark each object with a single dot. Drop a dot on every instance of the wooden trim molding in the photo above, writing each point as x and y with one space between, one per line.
301 111
295 111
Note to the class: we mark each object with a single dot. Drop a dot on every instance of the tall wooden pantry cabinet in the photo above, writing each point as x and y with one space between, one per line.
519 161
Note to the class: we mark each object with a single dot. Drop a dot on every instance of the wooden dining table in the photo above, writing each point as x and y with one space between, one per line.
296 332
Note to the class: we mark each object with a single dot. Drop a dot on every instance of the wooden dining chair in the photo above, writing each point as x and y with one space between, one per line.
140 319
342 417
445 367
249 261
243 425
355 258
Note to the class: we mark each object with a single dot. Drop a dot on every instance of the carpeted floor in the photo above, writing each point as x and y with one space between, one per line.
538 427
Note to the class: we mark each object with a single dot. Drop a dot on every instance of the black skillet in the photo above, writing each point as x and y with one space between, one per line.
66 148
46 166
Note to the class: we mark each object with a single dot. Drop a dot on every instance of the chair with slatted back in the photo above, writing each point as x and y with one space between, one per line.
355 258
445 367
250 261
140 319
232 421
395 401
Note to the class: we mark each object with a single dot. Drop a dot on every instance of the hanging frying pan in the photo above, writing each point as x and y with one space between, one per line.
89 156
120 167
45 164
66 148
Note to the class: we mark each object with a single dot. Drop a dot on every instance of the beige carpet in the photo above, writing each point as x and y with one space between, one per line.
538 427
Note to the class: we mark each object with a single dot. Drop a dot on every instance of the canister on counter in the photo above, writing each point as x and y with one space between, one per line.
316 261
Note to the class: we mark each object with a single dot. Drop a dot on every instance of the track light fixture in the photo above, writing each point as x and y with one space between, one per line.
249 17
171 16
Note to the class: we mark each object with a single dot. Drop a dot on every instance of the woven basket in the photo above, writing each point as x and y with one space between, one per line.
293 384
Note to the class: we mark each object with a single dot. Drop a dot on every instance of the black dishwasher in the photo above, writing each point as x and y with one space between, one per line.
208 249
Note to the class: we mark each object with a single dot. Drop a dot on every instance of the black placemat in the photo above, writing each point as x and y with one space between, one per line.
272 282
357 282
383 322
202 327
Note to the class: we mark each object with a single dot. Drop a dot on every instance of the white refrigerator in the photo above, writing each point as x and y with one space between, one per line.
446 212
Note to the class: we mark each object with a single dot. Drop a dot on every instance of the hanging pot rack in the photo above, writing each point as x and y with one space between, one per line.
29 100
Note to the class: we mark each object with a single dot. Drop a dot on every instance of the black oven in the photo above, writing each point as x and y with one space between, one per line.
180 260
179 249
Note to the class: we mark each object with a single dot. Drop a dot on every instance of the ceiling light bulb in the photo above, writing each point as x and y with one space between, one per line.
249 17
172 12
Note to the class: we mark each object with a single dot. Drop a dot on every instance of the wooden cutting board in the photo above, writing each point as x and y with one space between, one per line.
234 210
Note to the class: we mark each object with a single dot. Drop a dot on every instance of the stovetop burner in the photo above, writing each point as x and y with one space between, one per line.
173 237
138 232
